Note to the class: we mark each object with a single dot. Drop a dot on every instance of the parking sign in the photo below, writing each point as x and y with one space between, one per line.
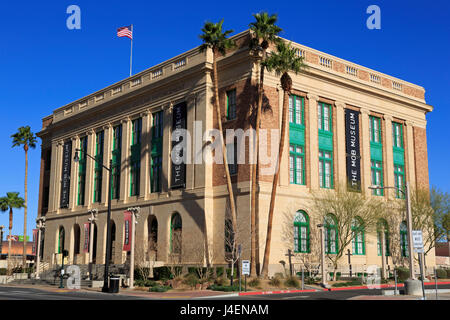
246 267
417 241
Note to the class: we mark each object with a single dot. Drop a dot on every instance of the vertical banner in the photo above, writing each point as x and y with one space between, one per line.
35 244
128 226
65 176
352 150
178 179
86 237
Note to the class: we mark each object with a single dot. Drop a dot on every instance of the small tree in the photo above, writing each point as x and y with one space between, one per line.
440 202
345 208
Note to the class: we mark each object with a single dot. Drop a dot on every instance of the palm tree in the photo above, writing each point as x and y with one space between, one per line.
214 38
25 137
264 33
12 200
282 62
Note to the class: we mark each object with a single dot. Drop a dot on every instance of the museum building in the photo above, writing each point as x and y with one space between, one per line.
347 124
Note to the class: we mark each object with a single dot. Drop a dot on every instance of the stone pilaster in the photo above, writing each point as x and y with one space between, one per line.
107 155
74 175
90 165
313 141
55 177
340 157
144 180
125 165
409 153
387 148
365 156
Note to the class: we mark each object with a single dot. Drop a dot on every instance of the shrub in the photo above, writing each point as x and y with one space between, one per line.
255 282
162 273
223 288
279 275
141 273
402 273
448 273
348 283
229 273
311 280
292 282
159 289
219 271
275 281
3 271
441 273
191 280
221 281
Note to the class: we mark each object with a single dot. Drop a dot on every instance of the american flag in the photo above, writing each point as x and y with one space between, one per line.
125 32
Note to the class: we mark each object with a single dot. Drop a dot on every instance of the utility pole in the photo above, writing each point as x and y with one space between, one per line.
290 255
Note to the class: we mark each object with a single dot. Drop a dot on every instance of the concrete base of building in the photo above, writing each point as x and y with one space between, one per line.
413 287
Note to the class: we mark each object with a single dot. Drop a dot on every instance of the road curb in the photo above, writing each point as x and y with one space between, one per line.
382 286
274 292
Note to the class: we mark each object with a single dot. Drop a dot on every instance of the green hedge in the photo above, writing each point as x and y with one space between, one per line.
3 271
229 273
348 283
402 273
159 289
162 273
145 283
441 273
223 288
220 271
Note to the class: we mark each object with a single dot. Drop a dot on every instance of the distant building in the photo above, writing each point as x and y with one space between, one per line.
442 252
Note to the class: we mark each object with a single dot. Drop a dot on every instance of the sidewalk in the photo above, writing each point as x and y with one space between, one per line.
441 296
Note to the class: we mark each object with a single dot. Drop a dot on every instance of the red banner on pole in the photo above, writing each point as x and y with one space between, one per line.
35 244
128 230
86 237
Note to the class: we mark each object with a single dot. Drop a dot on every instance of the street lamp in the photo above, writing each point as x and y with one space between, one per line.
134 215
322 251
406 193
108 218
91 220
40 226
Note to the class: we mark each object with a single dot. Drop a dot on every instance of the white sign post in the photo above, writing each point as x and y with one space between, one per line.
245 271
417 241
418 247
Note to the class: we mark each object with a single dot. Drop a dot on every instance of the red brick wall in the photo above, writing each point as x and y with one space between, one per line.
421 158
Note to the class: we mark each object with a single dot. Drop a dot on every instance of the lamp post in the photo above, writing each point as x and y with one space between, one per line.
412 282
92 219
134 215
105 287
322 255
40 226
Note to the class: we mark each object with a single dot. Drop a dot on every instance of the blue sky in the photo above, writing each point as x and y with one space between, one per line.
44 65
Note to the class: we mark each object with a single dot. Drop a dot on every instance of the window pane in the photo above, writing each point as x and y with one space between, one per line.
291 111
326 118
319 115
298 108
291 168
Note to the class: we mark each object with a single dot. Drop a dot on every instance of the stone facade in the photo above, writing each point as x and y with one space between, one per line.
203 203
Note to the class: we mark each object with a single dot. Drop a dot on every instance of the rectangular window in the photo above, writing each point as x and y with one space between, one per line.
231 104
325 169
377 176
399 178
135 163
156 152
397 135
116 161
232 157
296 110
375 129
296 164
98 172
324 116
82 171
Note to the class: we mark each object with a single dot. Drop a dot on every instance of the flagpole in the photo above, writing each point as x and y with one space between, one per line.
131 53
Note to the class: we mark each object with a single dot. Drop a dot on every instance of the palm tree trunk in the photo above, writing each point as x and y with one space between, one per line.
254 214
25 213
9 241
224 149
265 268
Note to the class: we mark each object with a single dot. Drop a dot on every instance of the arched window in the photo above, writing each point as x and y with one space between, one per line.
175 233
383 226
404 239
301 232
331 234
61 236
358 243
